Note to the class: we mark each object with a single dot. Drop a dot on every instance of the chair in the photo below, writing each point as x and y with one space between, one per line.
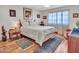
14 33
67 33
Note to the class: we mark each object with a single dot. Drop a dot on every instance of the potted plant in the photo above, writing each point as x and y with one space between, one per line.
4 37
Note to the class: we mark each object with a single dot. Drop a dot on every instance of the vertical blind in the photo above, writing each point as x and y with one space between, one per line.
58 18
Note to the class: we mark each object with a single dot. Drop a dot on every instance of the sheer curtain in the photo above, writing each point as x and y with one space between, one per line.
59 19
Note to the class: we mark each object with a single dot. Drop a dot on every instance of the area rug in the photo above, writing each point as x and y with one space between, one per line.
49 46
24 43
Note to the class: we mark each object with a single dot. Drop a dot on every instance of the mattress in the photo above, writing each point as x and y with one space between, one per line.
38 33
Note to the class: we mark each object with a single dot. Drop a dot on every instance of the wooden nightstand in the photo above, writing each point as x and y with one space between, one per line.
14 33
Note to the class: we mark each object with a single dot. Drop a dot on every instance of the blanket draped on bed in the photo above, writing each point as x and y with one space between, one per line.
50 45
38 33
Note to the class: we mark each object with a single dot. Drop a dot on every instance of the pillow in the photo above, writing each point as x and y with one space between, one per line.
25 24
33 24
75 31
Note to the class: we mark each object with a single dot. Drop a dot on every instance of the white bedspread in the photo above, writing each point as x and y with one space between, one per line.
38 33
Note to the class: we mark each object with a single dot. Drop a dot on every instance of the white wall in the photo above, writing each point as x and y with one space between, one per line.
8 21
37 20
5 19
72 9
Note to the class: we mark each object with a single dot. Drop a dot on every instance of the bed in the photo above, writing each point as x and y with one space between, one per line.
37 33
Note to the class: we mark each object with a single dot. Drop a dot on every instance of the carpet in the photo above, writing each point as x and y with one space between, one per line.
24 43
49 46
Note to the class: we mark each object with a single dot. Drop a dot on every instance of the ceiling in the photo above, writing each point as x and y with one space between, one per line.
41 7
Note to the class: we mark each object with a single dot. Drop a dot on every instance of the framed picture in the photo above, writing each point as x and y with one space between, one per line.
75 15
12 13
38 15
27 13
44 17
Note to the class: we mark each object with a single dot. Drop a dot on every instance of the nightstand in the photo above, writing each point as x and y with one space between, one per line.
14 33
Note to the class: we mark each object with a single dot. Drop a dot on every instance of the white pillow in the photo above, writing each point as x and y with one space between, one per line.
25 24
33 24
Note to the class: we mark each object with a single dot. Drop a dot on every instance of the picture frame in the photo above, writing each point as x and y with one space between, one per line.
27 13
12 13
75 15
38 15
44 17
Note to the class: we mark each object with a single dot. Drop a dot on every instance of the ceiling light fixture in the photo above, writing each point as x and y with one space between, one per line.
46 5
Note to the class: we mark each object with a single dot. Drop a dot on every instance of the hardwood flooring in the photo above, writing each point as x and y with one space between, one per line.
12 47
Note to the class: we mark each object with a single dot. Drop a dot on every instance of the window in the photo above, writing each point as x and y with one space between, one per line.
58 18
50 18
65 17
54 18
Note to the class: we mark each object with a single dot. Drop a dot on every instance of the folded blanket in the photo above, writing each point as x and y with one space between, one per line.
50 45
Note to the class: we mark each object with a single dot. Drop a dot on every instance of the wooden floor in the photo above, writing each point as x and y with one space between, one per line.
63 47
12 47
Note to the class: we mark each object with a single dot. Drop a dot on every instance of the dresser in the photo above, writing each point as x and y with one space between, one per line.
73 44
